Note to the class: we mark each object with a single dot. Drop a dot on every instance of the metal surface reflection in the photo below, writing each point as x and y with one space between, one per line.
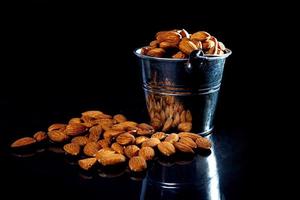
184 178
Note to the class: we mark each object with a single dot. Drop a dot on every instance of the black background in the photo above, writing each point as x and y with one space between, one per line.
61 60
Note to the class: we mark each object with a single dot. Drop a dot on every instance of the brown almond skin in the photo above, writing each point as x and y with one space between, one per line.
203 143
200 36
185 126
139 140
154 44
87 163
40 136
193 136
159 135
137 164
168 36
75 120
168 124
80 140
120 118
117 148
95 133
179 55
152 142
57 136
147 153
173 137
167 45
156 52
111 159
125 139
57 126
22 142
188 116
166 148
75 129
187 46
103 143
72 149
145 126
131 150
183 147
91 148
188 141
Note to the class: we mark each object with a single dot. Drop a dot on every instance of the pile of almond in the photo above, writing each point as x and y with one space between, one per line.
113 140
179 44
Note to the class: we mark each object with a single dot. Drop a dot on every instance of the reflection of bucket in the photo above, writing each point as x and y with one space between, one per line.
182 90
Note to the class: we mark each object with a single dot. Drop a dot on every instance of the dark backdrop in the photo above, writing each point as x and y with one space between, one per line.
61 60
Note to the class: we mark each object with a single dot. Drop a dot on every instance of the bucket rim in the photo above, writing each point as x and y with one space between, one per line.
137 52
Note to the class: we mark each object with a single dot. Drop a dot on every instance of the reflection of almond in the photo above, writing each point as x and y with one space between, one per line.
57 136
173 137
188 141
147 153
40 136
117 148
168 124
137 164
56 126
75 129
185 126
120 118
159 135
139 140
166 148
203 143
183 147
125 139
25 141
176 120
72 149
152 142
131 150
87 163
90 149
188 116
80 140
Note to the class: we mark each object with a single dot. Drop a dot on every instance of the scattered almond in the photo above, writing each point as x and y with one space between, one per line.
22 142
40 136
137 164
87 163
166 148
147 153
72 149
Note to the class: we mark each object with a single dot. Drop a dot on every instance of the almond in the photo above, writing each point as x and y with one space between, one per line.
221 46
92 113
188 116
72 149
75 120
111 133
159 135
137 164
124 126
117 148
125 139
103 143
167 45
145 126
131 150
156 123
168 36
203 143
75 129
120 118
80 140
154 44
193 136
139 140
168 124
208 44
188 141
179 55
184 33
57 136
156 52
147 153
183 147
152 142
200 36
90 149
166 148
187 46
173 137
87 163
57 126
22 142
185 126
40 136
95 133
109 157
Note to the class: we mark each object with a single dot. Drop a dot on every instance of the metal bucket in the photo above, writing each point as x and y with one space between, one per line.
182 90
